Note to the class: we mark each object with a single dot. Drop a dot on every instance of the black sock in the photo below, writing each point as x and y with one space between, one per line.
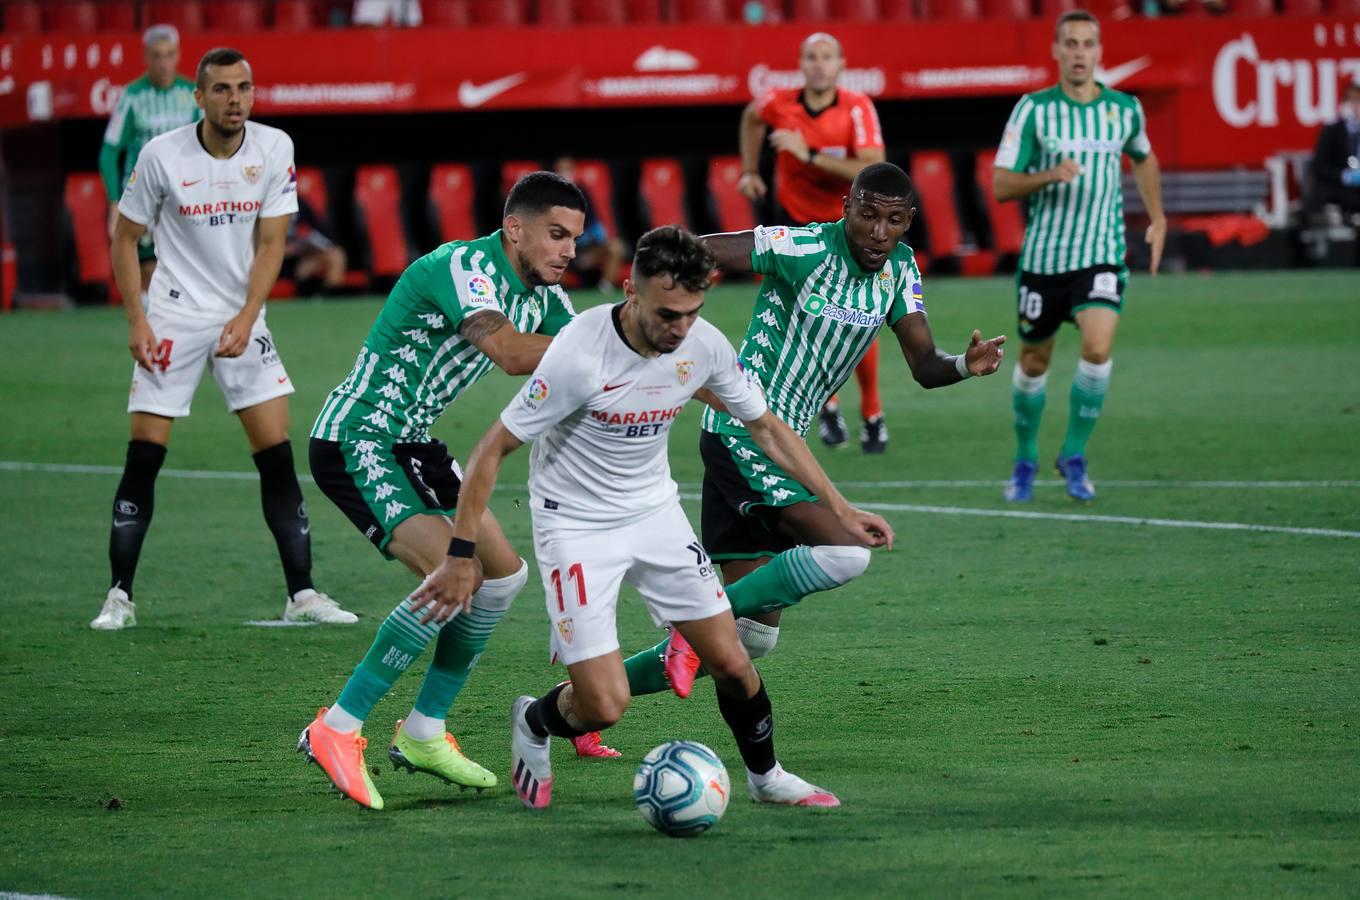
132 506
281 498
545 718
752 724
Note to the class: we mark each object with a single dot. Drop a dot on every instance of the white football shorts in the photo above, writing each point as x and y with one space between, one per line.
583 570
185 348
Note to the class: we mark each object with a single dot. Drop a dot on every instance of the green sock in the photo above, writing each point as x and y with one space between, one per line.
1027 399
401 639
1087 397
780 583
460 645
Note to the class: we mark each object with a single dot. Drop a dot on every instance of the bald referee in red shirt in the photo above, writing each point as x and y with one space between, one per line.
823 136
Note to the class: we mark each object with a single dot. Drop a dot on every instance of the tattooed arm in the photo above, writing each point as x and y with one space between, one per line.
515 352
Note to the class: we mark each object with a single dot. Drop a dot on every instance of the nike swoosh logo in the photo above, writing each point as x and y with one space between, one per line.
283 379
1111 77
306 530
190 183
615 387
123 523
471 95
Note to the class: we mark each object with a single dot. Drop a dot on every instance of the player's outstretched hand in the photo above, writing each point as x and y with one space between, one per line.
235 336
447 590
872 530
142 343
984 357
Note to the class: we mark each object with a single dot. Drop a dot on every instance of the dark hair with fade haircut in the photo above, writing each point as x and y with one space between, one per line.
885 179
676 253
217 56
1075 15
538 192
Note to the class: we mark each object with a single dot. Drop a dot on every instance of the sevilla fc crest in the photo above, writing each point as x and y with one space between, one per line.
252 173
566 628
683 368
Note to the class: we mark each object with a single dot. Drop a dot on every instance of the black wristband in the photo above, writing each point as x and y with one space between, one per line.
812 154
461 549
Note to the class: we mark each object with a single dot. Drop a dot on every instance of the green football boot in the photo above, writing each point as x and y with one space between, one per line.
440 757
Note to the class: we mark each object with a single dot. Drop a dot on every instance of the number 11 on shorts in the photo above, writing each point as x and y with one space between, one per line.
576 574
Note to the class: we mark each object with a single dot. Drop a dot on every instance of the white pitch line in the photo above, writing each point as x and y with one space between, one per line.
12 466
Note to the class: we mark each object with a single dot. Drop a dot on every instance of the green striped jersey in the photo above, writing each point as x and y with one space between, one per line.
815 317
143 112
1081 224
414 362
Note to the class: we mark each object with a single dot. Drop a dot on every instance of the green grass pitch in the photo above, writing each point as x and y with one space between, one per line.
1039 706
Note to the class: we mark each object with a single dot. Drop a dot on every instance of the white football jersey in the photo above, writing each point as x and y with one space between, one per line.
599 414
203 211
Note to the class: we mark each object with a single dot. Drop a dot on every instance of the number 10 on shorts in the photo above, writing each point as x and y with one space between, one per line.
574 574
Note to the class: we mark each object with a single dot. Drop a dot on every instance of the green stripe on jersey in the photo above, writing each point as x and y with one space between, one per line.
415 362
815 317
1079 224
145 111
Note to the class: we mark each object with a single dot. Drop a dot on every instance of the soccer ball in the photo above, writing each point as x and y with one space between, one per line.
681 788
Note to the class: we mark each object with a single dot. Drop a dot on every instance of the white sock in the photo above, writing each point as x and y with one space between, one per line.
422 727
762 780
341 721
757 637
842 564
1028 384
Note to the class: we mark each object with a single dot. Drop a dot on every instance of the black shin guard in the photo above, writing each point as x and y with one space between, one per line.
752 724
132 506
281 498
545 718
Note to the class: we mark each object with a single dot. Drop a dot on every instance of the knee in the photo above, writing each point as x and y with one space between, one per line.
599 709
728 664
1096 356
1033 364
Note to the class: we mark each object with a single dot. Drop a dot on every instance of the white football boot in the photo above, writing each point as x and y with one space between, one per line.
118 613
529 765
313 606
778 786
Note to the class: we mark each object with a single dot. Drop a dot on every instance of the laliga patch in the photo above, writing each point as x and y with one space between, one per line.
535 392
132 179
480 291
779 235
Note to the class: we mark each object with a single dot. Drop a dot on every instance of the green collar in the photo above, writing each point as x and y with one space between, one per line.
1077 103
503 263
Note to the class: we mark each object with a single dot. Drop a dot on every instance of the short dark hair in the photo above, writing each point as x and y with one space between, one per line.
217 56
883 178
672 251
1075 15
539 192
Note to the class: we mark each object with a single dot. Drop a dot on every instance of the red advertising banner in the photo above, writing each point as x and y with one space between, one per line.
1218 92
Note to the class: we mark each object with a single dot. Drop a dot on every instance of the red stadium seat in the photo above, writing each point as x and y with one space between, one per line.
699 12
663 191
897 10
644 12
452 193
1267 7
513 170
602 12
812 11
23 16
87 204
73 16
378 194
555 13
502 13
1117 10
186 15
1303 7
855 10
118 15
951 10
1342 8
1006 9
594 178
934 181
311 186
1008 227
1051 9
293 15
447 13
237 15
733 210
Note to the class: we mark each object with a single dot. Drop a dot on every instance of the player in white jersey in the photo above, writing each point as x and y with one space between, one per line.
605 510
221 194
